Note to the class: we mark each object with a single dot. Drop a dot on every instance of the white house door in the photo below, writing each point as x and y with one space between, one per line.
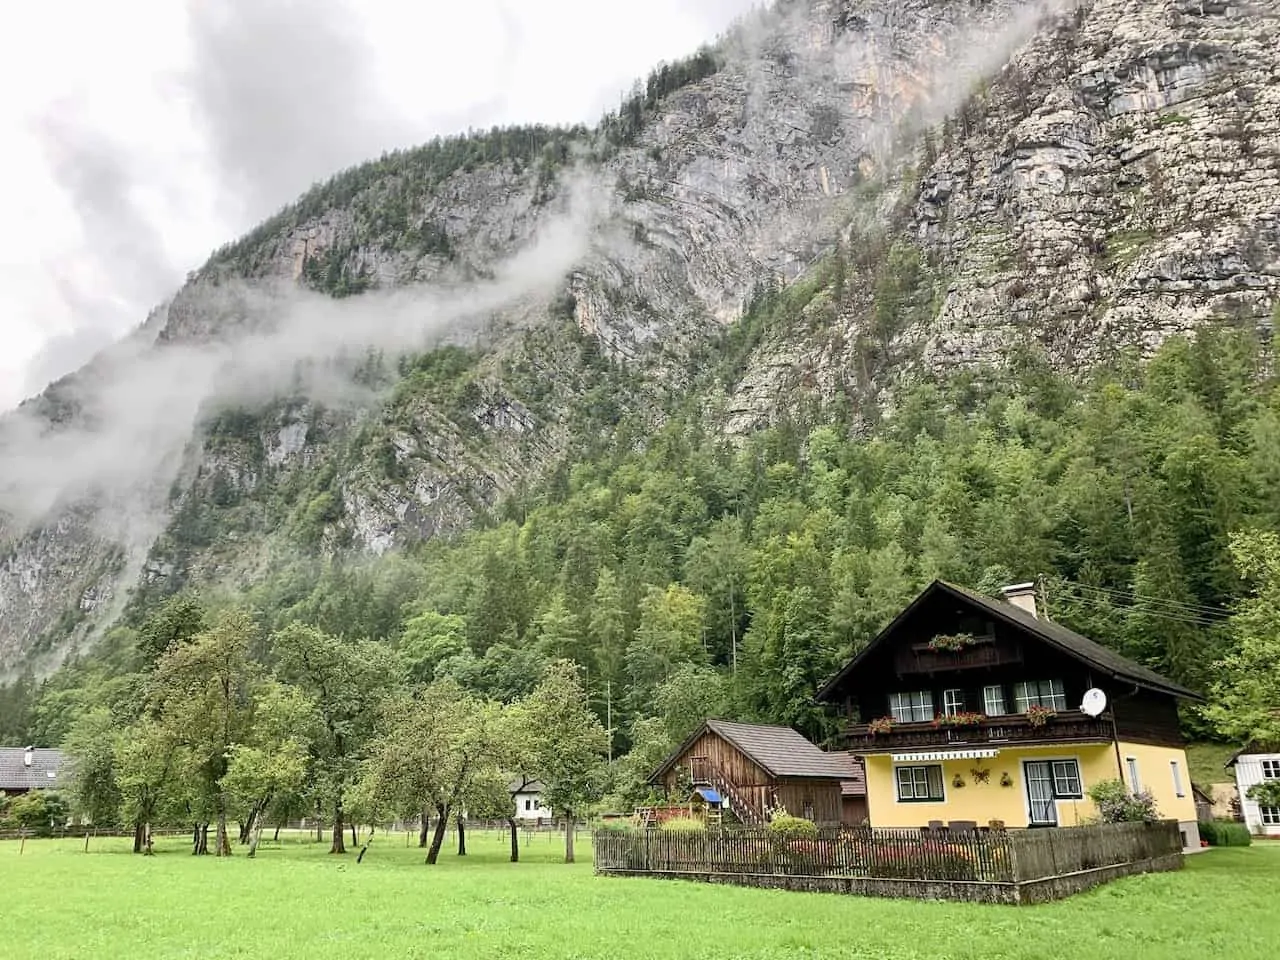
1044 813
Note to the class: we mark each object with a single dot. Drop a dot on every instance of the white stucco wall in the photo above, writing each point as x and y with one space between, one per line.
1251 768
529 807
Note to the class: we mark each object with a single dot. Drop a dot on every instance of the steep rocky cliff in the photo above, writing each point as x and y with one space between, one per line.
857 191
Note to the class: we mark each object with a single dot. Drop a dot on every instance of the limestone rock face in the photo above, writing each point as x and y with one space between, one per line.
1082 176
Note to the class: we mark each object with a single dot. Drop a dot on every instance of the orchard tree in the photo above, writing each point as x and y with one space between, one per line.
429 752
346 681
204 692
91 748
146 758
567 744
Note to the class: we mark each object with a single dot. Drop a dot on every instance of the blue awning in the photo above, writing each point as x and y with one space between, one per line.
711 796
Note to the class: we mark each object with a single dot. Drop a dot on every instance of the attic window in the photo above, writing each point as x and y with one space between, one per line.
50 774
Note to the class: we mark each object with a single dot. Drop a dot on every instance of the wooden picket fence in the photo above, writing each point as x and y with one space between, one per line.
993 865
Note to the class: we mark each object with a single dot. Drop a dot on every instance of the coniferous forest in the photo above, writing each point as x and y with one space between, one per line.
684 574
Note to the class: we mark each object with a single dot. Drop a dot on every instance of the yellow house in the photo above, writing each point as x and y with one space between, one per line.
970 709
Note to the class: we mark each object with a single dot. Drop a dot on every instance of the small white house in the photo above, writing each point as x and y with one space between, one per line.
528 797
1253 766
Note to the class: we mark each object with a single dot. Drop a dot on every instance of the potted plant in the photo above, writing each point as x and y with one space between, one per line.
1038 716
952 642
961 719
880 725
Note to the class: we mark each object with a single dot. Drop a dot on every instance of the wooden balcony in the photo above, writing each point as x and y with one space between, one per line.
1067 727
987 652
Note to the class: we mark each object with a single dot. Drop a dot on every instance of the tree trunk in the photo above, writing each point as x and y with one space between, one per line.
146 832
195 839
319 824
437 838
367 840
200 842
568 839
515 840
424 829
355 837
139 835
462 838
244 827
338 845
276 838
256 837
222 843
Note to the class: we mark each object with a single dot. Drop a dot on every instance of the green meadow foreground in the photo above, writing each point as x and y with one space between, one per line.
295 901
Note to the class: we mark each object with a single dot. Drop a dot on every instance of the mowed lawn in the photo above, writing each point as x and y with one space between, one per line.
296 901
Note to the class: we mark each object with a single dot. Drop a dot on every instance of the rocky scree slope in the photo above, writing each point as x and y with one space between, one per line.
1112 180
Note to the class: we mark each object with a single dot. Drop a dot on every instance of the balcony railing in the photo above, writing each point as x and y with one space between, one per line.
1071 725
986 652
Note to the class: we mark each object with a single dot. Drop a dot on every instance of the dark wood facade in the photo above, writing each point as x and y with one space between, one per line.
1008 651
751 790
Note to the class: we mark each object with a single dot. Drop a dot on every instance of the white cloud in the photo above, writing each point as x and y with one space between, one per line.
142 134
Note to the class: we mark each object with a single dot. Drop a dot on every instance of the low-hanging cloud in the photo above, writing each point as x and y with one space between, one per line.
139 404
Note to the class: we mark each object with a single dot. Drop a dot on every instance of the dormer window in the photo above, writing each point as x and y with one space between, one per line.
914 707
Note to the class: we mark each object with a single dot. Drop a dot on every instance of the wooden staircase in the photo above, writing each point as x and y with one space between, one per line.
704 772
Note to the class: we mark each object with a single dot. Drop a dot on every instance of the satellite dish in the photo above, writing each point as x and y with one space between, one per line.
1095 701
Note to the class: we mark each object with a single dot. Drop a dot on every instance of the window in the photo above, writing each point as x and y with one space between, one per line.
528 804
919 783
1177 778
807 813
1271 769
993 701
1066 780
914 707
1135 782
952 702
1040 693
1270 816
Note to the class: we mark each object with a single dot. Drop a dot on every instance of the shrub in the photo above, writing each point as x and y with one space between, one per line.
683 825
1266 794
616 826
1117 805
1225 833
787 827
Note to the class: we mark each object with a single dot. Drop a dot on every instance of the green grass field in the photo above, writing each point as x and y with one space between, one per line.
295 901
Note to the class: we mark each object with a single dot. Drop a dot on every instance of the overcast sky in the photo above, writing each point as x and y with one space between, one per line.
141 134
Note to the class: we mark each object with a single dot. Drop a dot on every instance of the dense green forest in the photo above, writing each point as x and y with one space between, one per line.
689 575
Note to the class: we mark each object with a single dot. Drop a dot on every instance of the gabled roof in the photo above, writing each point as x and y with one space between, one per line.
1055 635
1249 749
521 785
779 751
16 775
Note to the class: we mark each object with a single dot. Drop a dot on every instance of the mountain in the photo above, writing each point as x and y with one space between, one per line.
839 198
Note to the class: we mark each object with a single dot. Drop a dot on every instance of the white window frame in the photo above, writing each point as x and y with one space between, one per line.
1039 693
1135 776
1271 769
953 701
1066 777
1176 770
993 695
1269 816
911 706
916 775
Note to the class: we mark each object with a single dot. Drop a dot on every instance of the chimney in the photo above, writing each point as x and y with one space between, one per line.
27 756
1022 596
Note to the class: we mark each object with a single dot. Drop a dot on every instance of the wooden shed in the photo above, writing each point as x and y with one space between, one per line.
756 769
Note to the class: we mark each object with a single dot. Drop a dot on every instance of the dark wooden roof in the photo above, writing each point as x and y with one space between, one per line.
16 775
779 751
1055 635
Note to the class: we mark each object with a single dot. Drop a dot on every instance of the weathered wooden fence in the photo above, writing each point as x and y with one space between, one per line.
1016 866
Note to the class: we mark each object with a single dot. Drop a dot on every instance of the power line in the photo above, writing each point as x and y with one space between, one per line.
1198 609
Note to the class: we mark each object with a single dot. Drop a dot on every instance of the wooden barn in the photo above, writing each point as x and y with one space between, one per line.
749 769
